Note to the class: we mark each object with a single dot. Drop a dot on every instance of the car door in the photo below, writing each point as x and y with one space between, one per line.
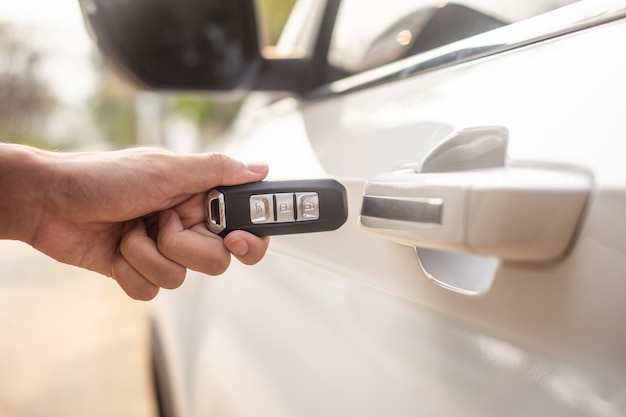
508 300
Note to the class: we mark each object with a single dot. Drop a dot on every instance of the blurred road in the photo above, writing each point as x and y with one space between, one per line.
71 342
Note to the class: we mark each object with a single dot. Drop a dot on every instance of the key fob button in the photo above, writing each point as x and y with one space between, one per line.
308 206
262 208
285 211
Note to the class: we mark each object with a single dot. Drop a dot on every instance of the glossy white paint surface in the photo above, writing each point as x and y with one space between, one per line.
347 324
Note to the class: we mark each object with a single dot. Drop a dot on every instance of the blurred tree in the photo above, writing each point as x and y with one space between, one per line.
113 109
25 100
209 113
198 109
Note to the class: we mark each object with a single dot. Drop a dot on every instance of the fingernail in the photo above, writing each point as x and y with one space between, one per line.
257 167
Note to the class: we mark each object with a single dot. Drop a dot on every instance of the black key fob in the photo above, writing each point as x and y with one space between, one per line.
277 207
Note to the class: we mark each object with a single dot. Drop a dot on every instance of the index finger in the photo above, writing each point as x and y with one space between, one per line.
213 169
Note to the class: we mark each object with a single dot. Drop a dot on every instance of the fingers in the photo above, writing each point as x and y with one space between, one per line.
194 247
200 250
144 265
216 169
132 282
141 269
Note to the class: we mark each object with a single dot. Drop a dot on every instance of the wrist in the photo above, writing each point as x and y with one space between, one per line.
24 181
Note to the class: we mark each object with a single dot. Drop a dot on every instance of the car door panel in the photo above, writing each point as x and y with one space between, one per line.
353 319
274 340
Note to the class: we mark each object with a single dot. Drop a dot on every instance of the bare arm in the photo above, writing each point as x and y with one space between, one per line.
136 215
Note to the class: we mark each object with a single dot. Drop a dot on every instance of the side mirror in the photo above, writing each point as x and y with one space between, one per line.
178 44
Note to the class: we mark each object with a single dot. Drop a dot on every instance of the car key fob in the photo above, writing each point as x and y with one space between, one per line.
277 207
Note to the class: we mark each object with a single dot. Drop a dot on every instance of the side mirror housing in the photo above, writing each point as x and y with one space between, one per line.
178 44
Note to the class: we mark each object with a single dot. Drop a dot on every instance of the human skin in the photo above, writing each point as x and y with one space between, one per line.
136 215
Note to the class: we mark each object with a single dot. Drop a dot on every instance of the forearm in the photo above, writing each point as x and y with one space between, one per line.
25 179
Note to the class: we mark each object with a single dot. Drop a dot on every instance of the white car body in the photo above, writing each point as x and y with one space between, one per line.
348 323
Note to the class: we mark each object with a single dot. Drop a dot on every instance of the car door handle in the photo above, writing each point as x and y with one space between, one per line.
515 214
520 213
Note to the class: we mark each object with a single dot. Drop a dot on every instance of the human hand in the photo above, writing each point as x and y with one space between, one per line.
137 215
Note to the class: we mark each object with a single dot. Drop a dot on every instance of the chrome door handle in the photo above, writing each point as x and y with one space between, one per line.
518 213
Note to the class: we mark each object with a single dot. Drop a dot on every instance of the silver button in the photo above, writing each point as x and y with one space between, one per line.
285 211
308 206
262 208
